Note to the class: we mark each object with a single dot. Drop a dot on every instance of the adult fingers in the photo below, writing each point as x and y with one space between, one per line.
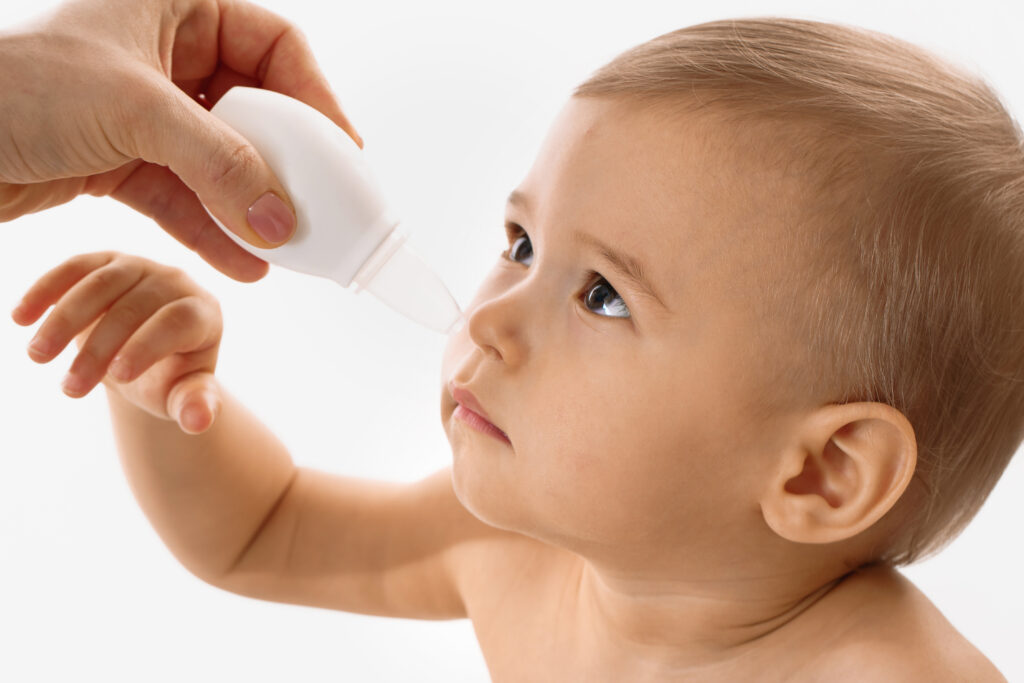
214 161
20 200
158 193
257 43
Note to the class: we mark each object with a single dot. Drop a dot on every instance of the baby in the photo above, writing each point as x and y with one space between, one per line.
755 342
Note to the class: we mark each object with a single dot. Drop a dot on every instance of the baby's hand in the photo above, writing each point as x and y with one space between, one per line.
152 328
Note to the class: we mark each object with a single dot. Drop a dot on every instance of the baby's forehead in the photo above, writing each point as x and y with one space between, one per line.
683 190
652 160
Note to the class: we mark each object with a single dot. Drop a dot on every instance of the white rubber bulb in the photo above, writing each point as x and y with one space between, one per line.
344 228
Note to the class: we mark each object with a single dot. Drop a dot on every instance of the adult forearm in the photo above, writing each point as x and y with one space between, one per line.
206 494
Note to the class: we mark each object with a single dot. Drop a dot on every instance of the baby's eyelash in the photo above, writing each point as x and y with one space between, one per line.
590 278
512 232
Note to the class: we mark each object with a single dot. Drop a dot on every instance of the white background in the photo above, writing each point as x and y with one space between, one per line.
452 99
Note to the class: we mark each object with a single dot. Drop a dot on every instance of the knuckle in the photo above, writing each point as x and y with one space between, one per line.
88 260
164 208
179 279
115 273
235 164
214 305
143 102
122 113
171 281
125 315
300 36
81 259
137 264
184 313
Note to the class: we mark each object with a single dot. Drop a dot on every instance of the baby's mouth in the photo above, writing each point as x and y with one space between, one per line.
479 422
473 412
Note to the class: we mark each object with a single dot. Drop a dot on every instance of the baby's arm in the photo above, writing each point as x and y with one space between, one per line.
229 502
204 494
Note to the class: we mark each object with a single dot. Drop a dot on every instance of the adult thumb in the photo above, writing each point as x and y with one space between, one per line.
227 173
194 402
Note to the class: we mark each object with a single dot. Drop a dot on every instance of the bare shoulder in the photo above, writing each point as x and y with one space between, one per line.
886 661
405 550
896 633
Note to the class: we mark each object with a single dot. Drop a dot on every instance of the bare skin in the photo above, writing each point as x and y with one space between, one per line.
638 523
629 444
110 98
871 625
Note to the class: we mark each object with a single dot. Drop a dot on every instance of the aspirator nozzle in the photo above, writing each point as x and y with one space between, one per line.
396 275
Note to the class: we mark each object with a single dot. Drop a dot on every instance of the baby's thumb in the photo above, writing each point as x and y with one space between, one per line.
219 165
194 402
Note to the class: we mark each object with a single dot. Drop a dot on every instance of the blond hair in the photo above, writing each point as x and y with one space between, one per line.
917 299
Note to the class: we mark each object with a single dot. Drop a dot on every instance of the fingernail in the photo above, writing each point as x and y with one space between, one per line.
192 418
39 347
271 218
17 309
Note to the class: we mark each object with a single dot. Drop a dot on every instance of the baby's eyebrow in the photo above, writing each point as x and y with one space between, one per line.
629 267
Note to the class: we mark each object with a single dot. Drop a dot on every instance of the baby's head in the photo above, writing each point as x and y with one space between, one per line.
762 300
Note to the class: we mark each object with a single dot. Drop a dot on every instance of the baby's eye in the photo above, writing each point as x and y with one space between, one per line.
515 245
597 292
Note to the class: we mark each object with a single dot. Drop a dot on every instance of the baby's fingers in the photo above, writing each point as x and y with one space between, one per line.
52 285
81 304
194 402
186 325
120 322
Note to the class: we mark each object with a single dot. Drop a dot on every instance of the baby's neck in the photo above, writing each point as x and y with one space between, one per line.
682 625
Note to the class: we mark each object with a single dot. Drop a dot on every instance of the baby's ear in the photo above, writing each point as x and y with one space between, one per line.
847 466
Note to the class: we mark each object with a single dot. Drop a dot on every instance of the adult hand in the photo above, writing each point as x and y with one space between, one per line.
111 97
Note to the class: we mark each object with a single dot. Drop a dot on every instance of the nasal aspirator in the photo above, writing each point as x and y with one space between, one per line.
344 229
